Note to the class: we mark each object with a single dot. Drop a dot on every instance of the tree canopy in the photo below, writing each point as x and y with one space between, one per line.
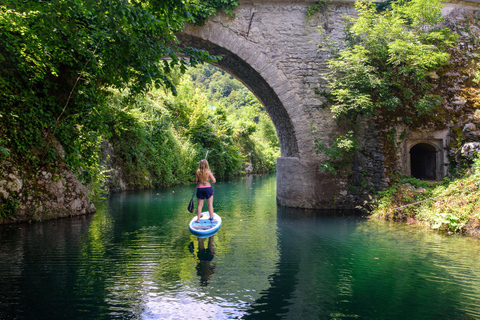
58 57
389 58
387 66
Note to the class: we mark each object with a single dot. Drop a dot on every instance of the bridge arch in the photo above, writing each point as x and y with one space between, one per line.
254 77
270 46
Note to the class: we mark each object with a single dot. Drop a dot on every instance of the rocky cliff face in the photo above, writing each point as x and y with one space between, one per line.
114 181
41 195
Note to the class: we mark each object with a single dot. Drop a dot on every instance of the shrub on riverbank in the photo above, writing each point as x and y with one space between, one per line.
452 206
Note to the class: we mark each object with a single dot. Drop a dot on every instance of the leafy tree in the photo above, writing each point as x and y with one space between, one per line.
389 61
58 57
210 7
254 133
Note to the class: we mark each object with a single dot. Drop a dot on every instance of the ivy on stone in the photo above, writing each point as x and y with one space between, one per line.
388 61
316 7
389 58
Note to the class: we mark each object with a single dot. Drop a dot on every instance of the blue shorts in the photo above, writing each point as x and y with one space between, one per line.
204 193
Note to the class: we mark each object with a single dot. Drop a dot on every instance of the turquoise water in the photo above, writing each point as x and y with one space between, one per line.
136 259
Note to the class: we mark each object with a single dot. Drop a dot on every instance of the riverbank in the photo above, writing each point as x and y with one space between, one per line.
451 206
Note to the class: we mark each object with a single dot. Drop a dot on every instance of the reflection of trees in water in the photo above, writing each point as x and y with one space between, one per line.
35 258
205 268
339 265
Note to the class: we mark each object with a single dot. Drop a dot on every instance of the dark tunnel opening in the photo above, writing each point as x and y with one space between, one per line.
423 161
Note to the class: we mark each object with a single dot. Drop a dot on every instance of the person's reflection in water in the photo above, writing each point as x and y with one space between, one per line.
205 268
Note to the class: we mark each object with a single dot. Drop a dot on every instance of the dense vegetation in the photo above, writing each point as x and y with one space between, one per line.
254 133
386 68
105 83
78 72
58 58
393 66
159 138
452 206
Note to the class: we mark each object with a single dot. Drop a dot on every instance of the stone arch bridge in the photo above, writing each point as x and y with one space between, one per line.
270 47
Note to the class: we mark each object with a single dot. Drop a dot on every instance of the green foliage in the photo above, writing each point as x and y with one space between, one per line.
385 67
387 62
339 153
56 59
159 138
458 204
417 183
314 8
8 207
388 203
210 7
3 150
446 205
253 131
79 72
147 148
476 75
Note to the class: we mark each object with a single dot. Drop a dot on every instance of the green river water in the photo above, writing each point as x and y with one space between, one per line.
136 259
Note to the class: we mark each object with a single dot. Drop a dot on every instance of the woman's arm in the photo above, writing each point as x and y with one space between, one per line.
211 176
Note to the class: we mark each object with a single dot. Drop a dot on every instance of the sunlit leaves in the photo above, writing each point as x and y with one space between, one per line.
58 57
385 67
388 58
353 66
339 153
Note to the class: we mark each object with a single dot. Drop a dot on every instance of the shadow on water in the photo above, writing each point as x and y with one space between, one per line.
34 259
277 301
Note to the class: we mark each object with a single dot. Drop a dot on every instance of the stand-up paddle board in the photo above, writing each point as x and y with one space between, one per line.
205 228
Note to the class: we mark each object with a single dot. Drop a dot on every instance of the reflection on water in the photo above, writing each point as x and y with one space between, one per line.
136 259
205 267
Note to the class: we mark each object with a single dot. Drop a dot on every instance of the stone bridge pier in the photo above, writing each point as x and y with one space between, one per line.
271 47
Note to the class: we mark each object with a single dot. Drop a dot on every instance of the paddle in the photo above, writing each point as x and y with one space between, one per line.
190 205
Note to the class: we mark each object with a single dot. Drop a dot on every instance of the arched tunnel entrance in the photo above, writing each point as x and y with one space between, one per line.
299 182
423 161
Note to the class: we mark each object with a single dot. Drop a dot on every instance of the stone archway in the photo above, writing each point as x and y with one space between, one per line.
281 70
423 161
271 47
424 154
257 84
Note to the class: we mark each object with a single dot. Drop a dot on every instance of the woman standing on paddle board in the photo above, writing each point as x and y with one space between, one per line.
203 177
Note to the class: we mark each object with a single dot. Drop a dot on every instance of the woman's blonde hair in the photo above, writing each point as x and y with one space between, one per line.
202 169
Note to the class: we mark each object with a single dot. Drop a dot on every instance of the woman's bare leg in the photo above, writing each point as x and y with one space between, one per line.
199 209
210 206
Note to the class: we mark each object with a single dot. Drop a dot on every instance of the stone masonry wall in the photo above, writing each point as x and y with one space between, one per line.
271 47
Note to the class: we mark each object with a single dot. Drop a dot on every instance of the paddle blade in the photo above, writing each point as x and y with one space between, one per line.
190 206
